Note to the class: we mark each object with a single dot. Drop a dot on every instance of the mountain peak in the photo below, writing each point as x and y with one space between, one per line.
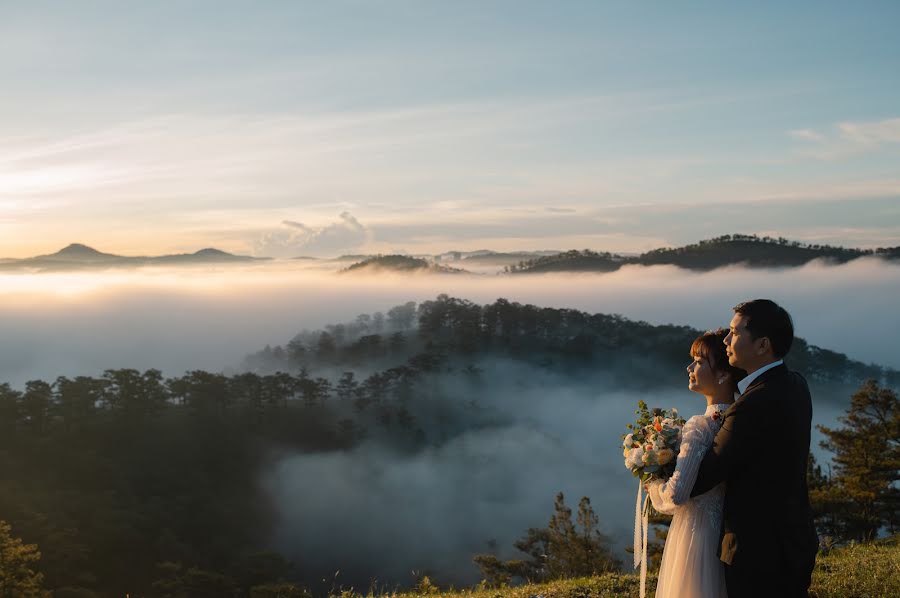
211 251
77 249
76 252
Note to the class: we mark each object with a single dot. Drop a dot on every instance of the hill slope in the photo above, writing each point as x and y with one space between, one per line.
862 570
399 263
728 250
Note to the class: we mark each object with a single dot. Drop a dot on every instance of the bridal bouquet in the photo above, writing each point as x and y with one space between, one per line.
651 446
650 450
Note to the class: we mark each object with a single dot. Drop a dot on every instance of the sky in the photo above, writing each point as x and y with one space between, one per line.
296 128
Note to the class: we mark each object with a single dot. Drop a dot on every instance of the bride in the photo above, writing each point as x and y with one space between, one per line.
690 564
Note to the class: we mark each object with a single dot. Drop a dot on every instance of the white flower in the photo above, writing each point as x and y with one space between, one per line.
629 440
635 458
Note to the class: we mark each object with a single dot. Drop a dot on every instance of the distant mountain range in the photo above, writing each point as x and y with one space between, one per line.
77 256
728 250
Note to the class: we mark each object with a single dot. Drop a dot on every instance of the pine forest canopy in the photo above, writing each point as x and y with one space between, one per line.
727 250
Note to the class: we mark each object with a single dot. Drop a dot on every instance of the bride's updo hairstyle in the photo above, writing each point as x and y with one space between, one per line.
711 346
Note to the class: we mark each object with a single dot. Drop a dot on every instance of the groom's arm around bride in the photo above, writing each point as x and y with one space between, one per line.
769 541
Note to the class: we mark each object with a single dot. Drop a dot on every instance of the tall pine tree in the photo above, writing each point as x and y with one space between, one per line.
17 561
562 549
863 495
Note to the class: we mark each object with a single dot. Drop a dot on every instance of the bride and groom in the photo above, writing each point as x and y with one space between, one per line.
742 524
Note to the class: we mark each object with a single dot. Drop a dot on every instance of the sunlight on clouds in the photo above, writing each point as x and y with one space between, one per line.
200 280
55 179
845 307
24 287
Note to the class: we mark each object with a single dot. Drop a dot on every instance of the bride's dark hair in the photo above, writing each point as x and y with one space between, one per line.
711 346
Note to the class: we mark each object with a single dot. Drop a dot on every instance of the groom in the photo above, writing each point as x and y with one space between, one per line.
769 544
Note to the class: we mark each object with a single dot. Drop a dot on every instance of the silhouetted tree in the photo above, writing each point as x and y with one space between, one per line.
867 461
133 395
36 403
563 549
77 399
9 411
402 317
325 348
297 352
346 386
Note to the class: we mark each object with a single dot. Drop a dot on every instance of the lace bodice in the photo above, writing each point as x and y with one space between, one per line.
696 437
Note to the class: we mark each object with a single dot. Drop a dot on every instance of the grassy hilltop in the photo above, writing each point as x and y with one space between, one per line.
856 571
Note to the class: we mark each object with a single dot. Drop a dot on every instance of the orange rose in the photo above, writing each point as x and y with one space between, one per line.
664 456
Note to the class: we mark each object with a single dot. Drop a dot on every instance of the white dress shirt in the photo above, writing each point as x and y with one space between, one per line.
743 384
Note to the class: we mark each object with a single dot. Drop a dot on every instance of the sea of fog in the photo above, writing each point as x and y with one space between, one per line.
373 511
177 320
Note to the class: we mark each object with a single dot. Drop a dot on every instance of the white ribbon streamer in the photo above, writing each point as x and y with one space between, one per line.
646 527
641 528
638 534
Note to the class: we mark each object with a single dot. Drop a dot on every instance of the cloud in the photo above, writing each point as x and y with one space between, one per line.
807 134
847 139
344 236
299 225
872 133
840 214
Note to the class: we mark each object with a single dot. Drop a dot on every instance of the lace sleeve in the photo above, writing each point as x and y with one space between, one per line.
677 489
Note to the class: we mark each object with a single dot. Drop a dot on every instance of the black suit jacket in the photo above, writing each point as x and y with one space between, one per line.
761 453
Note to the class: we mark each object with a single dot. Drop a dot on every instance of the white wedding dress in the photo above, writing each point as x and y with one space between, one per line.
690 564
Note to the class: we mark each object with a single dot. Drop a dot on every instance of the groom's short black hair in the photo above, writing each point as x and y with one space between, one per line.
767 318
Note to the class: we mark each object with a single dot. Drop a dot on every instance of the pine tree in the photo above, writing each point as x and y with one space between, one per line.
17 561
562 549
866 463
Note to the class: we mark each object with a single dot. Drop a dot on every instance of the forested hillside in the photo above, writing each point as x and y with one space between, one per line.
727 250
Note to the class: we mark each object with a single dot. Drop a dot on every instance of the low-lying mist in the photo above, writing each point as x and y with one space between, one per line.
195 318
374 513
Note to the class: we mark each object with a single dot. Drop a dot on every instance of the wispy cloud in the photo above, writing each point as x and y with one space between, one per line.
454 152
846 139
346 235
806 134
872 133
